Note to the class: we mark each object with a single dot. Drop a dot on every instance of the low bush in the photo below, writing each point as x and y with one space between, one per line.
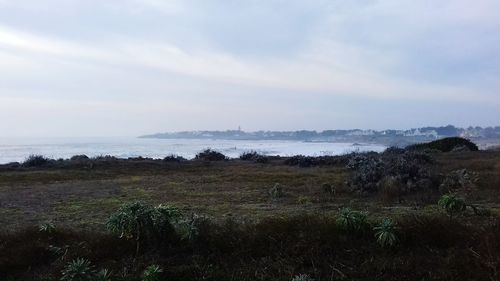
458 179
79 158
445 145
408 171
35 161
210 155
310 161
255 157
174 159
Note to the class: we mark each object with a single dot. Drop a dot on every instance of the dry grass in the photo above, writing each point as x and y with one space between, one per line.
253 237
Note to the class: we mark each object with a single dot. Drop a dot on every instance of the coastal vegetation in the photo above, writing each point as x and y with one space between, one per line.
402 214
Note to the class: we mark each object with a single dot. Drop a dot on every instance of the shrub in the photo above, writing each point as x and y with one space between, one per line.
309 161
394 150
144 223
151 273
386 233
445 145
249 156
35 161
78 270
174 158
302 277
254 156
79 158
458 179
452 204
301 161
210 155
352 221
370 170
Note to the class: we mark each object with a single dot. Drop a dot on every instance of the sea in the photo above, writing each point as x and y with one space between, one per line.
18 149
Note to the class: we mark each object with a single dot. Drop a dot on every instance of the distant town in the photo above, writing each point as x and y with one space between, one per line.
484 136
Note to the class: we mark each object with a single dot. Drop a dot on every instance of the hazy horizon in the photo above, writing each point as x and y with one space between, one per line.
134 67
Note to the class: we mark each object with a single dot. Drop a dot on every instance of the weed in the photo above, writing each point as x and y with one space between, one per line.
152 273
352 221
386 233
452 204
103 275
48 228
78 270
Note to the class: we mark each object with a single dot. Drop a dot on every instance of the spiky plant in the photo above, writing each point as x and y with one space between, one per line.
452 204
78 270
386 233
353 221
103 275
302 277
151 273
143 222
48 228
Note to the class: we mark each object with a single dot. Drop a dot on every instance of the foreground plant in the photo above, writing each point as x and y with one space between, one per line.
452 204
152 273
103 275
386 233
302 277
78 270
143 222
351 220
47 228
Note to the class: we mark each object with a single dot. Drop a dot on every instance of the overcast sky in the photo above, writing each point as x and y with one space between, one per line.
132 67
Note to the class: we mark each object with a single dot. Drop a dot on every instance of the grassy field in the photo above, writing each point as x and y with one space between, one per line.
271 239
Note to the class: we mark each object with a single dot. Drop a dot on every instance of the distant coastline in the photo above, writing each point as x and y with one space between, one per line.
485 136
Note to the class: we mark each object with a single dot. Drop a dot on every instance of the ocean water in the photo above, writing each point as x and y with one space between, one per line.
18 149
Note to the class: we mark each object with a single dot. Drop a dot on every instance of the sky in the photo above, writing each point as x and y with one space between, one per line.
132 67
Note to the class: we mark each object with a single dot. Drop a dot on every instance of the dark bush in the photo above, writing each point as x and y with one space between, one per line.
211 155
445 145
36 161
255 157
174 158
310 161
104 158
79 158
249 156
394 150
372 170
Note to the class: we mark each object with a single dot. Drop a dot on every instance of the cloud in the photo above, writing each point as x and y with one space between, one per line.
214 54
331 67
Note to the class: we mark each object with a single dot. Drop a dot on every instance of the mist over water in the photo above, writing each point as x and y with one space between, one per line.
18 149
